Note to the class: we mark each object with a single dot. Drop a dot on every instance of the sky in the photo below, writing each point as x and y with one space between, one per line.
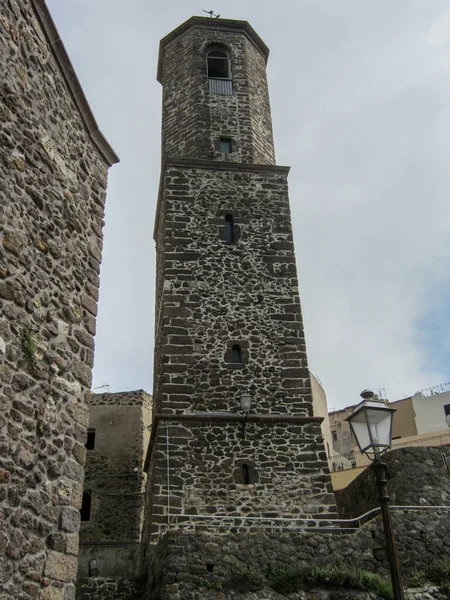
360 96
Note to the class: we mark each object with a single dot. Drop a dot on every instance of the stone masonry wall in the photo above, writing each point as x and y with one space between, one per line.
52 194
186 565
107 588
198 471
194 119
416 476
217 294
213 295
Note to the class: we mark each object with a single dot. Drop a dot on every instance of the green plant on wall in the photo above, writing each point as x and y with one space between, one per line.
289 579
246 578
29 345
437 572
216 584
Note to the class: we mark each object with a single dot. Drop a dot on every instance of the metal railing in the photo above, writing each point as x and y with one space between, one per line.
223 523
221 86
354 460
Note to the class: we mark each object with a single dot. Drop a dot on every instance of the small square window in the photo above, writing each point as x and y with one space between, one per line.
90 442
225 145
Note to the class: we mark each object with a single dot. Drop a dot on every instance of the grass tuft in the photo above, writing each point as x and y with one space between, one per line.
289 579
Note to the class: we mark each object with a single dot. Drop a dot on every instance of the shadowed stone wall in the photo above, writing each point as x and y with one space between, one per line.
115 483
187 564
52 192
416 476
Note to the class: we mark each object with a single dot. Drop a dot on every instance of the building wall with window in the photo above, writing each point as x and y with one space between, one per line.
404 421
341 436
113 499
430 411
320 408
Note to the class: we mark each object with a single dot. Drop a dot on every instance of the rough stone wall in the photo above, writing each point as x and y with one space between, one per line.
194 119
107 588
201 466
214 295
261 117
416 476
52 193
186 564
120 422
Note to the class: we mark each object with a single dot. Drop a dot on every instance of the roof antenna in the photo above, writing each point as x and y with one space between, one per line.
105 385
211 13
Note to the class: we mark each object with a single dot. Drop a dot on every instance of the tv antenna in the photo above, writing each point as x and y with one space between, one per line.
105 385
211 13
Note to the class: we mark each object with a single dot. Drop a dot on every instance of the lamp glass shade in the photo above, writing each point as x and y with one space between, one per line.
246 402
371 424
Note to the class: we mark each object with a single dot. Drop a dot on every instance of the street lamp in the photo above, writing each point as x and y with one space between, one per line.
371 424
245 401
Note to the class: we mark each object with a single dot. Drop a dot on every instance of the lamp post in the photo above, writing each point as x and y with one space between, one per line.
245 401
371 424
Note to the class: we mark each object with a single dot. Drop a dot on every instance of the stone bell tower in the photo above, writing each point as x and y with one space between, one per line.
229 329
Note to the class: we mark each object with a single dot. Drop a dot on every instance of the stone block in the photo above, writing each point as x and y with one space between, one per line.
89 304
70 519
74 471
82 373
4 476
69 592
51 593
60 567
79 412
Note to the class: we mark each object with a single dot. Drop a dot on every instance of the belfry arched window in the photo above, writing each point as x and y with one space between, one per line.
218 69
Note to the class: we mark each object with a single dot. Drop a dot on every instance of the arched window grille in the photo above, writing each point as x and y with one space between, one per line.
236 354
219 72
229 229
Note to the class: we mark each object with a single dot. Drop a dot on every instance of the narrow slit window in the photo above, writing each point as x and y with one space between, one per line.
245 474
236 354
225 145
85 509
229 229
90 442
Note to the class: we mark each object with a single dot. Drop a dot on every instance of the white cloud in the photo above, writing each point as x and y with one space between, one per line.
439 32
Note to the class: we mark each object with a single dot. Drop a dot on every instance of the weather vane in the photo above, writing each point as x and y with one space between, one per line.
211 14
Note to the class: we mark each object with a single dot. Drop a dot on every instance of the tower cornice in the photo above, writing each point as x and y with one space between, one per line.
216 24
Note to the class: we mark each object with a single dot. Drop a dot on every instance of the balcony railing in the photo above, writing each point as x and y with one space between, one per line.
353 460
221 86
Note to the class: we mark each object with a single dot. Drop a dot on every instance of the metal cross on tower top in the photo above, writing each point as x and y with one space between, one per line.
211 13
